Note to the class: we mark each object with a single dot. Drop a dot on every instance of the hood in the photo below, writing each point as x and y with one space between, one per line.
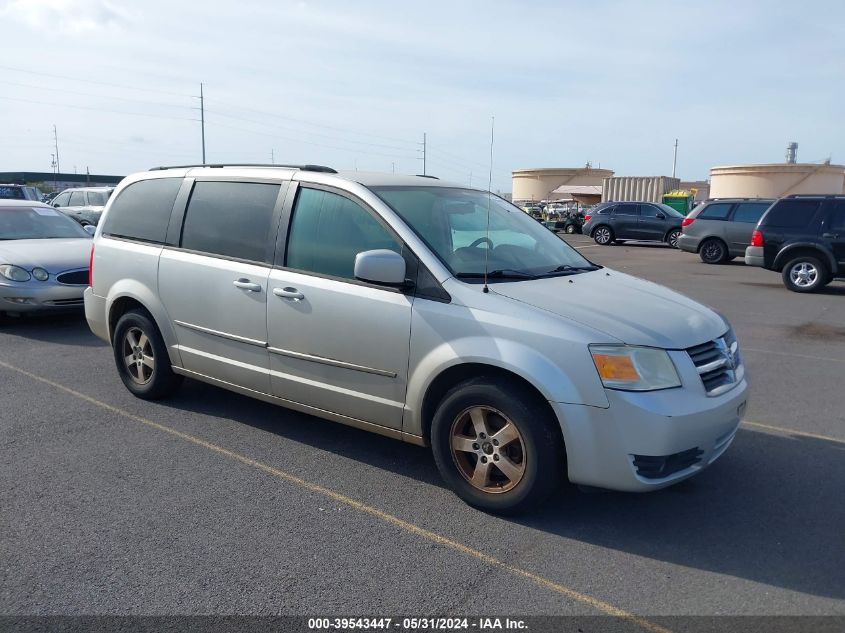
54 256
632 310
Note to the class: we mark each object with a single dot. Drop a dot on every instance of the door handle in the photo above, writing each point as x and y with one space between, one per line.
289 293
830 235
246 284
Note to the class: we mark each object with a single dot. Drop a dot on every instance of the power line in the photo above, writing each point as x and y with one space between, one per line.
91 81
91 94
78 107
289 129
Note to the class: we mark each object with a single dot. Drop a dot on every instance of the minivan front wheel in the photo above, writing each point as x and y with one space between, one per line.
805 274
141 357
603 235
496 446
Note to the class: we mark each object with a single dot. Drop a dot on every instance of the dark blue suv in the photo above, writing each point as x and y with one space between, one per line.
615 222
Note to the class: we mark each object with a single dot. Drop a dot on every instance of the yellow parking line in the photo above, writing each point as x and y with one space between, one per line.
780 429
595 603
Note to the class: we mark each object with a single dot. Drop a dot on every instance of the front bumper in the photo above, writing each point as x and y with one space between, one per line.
688 243
754 256
606 448
39 296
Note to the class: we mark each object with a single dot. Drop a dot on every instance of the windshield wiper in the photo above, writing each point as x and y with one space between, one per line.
499 273
571 270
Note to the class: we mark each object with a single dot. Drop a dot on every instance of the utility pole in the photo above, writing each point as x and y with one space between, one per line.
424 148
53 166
56 143
675 159
273 156
87 176
393 165
202 122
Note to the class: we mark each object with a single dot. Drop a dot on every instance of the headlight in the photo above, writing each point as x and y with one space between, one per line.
14 273
40 274
632 368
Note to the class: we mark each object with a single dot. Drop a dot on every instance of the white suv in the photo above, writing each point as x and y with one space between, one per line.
425 311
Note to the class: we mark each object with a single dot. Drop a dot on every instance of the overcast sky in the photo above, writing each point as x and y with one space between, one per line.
356 84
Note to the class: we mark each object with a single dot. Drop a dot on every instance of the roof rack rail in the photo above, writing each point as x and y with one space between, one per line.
813 195
428 176
320 168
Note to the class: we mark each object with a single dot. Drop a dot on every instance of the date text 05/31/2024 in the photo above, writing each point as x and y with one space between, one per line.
416 624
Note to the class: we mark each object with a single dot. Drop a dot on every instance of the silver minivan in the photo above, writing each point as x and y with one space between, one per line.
421 310
720 229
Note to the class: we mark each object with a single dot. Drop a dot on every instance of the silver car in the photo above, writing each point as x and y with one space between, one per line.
43 258
719 230
421 310
83 204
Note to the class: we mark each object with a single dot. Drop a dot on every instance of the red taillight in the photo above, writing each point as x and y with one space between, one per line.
587 218
756 238
91 267
687 221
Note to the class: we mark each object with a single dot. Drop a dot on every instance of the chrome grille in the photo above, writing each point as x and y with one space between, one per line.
718 363
74 278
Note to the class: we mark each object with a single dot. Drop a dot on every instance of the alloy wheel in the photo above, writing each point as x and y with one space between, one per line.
673 238
488 449
602 235
712 251
804 274
138 356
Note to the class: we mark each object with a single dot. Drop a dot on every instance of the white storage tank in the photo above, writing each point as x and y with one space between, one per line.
539 183
776 180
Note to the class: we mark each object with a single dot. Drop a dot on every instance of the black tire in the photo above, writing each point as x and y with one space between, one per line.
603 235
713 251
570 229
148 383
805 273
538 448
672 237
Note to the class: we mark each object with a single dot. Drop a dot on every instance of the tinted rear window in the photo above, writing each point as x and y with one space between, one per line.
142 210
750 212
627 209
837 216
230 218
716 211
792 213
12 193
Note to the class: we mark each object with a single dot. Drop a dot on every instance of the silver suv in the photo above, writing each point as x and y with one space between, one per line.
83 204
719 230
425 311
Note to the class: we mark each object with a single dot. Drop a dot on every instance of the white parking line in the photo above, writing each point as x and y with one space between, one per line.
765 351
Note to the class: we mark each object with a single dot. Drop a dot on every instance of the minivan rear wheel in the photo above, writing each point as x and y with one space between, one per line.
497 446
713 251
603 235
805 274
141 357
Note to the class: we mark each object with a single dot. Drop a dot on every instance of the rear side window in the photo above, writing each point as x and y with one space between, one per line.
716 211
61 200
792 213
627 209
837 216
232 219
606 210
142 210
750 212
327 232
77 199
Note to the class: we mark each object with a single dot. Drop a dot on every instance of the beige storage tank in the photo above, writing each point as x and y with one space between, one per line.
776 180
538 184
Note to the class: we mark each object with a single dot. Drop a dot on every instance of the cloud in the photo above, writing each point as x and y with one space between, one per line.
71 17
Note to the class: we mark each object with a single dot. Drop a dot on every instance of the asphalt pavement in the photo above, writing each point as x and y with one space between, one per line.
213 503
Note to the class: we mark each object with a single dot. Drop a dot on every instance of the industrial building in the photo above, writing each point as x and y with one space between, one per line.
540 183
59 181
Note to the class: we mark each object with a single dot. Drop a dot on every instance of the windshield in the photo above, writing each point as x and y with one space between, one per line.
37 223
453 223
12 192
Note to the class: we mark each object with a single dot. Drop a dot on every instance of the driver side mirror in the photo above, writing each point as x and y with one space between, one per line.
380 266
